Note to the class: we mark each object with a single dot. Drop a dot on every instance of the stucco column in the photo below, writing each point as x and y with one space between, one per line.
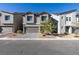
59 28
70 30
23 29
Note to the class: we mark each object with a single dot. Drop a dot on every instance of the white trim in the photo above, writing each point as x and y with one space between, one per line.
32 25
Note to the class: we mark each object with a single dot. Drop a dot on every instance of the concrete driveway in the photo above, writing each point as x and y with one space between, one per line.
28 35
39 47
32 35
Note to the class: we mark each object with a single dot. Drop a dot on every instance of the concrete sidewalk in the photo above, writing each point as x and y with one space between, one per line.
7 38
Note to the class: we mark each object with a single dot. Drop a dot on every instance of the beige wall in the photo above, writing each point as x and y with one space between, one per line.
2 18
37 18
32 18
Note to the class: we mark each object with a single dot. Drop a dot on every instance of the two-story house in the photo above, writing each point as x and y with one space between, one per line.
66 20
6 22
31 21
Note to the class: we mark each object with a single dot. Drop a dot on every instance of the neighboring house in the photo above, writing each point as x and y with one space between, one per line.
65 21
6 22
31 21
28 22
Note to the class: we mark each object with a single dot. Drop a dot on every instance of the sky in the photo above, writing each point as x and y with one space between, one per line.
38 7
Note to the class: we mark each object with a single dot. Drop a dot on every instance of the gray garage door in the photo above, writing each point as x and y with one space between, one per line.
32 30
6 29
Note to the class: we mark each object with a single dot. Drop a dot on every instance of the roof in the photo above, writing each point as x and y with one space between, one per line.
37 14
18 13
23 13
44 13
29 13
70 11
66 12
7 12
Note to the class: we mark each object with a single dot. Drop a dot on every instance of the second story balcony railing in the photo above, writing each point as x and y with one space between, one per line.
75 24
72 23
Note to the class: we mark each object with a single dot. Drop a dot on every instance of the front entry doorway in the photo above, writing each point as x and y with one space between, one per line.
67 29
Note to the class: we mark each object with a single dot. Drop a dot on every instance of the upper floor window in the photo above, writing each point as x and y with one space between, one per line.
29 18
66 18
7 17
61 17
44 18
69 18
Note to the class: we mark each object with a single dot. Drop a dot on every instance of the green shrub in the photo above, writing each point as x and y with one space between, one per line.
66 33
41 29
48 26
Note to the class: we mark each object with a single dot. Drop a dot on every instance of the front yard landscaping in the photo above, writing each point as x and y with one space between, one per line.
54 35
48 29
32 35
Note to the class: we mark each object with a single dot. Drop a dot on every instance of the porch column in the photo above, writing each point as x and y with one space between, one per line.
59 28
23 29
39 29
70 30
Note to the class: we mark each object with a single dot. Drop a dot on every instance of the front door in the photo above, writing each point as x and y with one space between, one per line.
67 29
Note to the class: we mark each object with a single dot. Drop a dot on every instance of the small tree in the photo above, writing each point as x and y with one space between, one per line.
48 26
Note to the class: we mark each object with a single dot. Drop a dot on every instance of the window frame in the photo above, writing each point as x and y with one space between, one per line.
42 19
61 17
69 18
7 17
29 18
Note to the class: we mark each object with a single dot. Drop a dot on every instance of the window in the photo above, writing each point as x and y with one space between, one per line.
7 17
44 18
69 18
29 18
62 17
66 18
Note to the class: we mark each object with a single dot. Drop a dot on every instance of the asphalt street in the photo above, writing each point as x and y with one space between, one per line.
39 47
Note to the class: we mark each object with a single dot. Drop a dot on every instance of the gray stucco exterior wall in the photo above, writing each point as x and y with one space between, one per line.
18 22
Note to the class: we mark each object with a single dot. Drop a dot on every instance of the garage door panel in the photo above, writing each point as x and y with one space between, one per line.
6 29
32 30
